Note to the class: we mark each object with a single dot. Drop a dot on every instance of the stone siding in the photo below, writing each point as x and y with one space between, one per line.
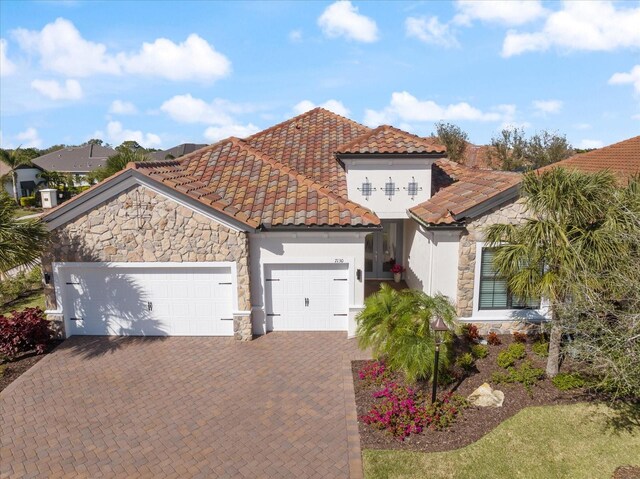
141 225
512 212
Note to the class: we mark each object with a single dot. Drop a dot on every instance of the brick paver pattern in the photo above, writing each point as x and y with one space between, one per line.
181 407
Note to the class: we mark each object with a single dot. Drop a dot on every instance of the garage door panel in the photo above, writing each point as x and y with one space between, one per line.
182 302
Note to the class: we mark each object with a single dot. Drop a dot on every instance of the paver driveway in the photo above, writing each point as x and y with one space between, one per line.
183 407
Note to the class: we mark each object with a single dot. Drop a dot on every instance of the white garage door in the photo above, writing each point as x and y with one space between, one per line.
307 297
148 301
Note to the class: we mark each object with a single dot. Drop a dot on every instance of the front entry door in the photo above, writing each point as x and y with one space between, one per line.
382 250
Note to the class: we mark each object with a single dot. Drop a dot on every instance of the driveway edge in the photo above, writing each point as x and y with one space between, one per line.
351 418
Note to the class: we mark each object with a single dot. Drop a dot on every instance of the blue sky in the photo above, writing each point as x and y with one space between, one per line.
164 73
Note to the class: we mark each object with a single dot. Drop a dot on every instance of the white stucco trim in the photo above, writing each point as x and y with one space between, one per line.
75 207
59 267
499 315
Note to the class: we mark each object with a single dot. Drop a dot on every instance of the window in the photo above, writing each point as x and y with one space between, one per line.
390 188
366 189
413 188
494 293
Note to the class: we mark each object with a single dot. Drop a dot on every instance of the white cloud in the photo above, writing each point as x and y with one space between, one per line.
120 107
511 13
582 126
342 19
408 108
29 138
295 36
215 133
116 134
590 26
430 30
632 77
69 90
7 67
331 105
63 50
547 106
187 109
588 144
193 59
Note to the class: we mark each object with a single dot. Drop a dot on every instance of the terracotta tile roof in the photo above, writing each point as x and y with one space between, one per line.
468 187
240 181
477 156
308 142
622 158
387 139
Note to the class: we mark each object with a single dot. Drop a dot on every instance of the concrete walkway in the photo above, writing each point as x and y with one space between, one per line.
280 406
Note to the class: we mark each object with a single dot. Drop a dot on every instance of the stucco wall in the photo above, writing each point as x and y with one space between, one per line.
511 212
142 225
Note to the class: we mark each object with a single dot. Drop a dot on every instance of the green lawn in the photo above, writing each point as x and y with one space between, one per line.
32 300
575 441
20 212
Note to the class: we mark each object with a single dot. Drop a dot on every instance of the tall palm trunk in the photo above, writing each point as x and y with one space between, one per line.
555 340
14 177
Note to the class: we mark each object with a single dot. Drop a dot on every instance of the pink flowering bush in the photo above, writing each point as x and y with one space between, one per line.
374 373
402 411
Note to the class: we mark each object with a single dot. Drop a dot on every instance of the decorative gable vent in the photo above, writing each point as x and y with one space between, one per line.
390 189
366 190
413 188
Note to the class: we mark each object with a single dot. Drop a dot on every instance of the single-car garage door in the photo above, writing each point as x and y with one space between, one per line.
148 301
307 297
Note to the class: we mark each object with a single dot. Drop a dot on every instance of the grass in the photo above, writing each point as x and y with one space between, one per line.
20 212
30 300
570 441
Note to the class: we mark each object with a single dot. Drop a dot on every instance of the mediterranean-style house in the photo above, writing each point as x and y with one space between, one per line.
279 231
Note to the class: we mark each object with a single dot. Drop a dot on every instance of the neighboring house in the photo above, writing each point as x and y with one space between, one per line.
175 152
279 232
77 160
28 179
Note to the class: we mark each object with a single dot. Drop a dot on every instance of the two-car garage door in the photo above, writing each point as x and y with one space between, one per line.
307 297
141 300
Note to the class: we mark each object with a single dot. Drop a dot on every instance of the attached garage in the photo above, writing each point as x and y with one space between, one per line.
307 297
138 299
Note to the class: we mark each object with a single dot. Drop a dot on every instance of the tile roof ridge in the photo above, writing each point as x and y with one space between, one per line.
299 176
299 117
597 151
365 136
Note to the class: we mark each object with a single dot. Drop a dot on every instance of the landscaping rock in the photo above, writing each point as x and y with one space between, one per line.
486 396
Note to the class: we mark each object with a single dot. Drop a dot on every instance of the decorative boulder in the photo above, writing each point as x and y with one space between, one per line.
485 396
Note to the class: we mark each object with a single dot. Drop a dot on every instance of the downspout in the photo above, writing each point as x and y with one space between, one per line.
431 236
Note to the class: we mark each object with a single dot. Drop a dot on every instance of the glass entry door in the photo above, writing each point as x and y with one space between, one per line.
382 250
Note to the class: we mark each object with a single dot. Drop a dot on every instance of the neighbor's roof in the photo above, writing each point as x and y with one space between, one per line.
252 187
308 143
387 139
175 152
478 156
77 159
622 159
469 187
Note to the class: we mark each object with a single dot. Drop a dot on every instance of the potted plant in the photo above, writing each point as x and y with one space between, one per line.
397 271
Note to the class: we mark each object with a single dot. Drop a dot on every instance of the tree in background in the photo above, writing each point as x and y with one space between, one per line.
511 150
21 241
454 139
118 162
577 223
13 159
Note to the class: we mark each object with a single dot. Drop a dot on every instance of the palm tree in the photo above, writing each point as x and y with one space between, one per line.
119 162
577 223
21 241
13 159
397 326
53 179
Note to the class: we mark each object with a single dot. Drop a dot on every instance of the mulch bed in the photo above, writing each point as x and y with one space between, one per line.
474 422
13 369
627 472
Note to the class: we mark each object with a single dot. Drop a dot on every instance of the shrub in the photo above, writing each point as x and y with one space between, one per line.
12 288
470 331
541 349
505 360
374 373
28 201
526 375
479 351
403 411
517 350
493 339
567 381
24 331
3 367
519 337
465 361
508 357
